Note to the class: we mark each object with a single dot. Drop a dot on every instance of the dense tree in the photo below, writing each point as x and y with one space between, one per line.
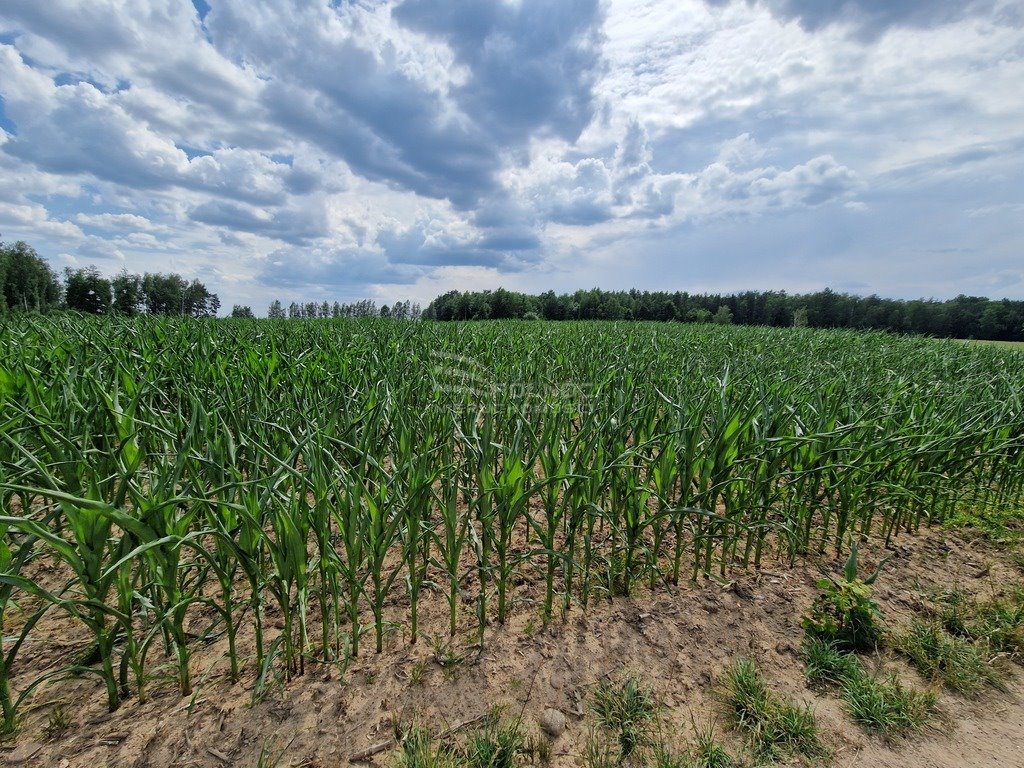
164 294
199 302
240 310
723 315
171 294
86 290
129 298
275 311
26 281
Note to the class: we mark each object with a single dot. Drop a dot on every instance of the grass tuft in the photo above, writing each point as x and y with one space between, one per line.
707 752
57 722
774 726
825 664
955 661
627 709
496 745
598 753
418 750
886 706
999 622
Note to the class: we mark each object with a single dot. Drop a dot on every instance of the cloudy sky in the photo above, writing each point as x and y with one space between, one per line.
306 149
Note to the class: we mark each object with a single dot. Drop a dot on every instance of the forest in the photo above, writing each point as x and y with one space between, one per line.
964 317
29 284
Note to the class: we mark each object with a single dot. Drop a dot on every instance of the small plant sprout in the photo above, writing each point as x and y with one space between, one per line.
844 614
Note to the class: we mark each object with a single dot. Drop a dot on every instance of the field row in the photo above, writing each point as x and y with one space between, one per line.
323 470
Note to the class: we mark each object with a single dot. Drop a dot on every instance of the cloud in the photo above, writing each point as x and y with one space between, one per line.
332 269
335 148
119 221
870 18
406 97
531 63
298 225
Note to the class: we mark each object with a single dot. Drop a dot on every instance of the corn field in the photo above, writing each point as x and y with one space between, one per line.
338 474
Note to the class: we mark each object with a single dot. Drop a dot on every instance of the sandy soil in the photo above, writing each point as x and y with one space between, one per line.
678 640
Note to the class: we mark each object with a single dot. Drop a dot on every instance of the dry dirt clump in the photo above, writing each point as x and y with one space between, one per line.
679 641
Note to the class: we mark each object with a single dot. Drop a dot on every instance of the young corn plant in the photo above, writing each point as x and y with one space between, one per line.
415 475
381 531
450 540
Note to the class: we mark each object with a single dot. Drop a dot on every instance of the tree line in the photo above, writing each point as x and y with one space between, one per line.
27 283
964 317
400 310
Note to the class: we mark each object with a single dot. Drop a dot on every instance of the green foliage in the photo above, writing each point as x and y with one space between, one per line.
884 705
329 472
599 753
997 623
774 726
172 294
706 751
57 721
964 317
418 750
627 709
85 290
844 614
26 281
825 664
955 661
999 525
887 706
496 745
664 757
129 298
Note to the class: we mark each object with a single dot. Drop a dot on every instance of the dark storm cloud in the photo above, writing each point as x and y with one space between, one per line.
411 152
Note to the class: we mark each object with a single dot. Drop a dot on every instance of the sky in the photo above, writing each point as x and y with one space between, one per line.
396 149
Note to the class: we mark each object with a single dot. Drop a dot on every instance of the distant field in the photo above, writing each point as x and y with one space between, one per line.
1007 344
